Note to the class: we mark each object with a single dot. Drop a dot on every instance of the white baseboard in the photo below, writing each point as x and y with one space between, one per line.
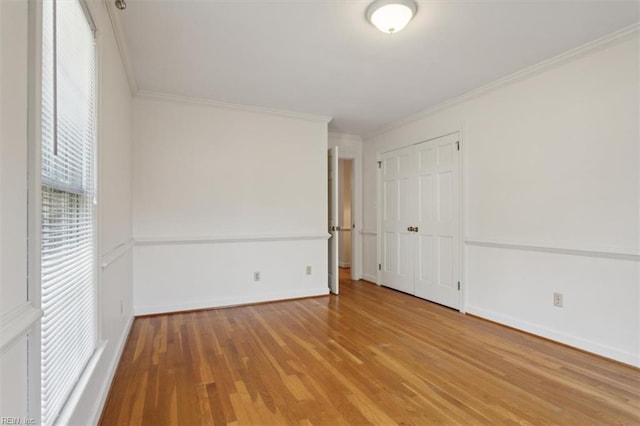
111 372
371 278
567 339
232 301
345 265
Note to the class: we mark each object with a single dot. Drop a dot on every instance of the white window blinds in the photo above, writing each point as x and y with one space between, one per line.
68 201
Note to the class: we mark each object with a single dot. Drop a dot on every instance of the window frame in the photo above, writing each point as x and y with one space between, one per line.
34 236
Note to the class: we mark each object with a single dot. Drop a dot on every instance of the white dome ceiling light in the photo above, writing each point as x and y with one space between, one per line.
390 16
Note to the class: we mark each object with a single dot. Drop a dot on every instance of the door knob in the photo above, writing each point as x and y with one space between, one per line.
410 229
415 229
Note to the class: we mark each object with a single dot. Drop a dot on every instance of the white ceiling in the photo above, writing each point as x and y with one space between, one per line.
322 57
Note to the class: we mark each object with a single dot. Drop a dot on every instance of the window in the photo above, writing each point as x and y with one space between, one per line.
67 165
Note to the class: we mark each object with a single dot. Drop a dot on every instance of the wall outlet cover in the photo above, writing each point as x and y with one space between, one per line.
557 300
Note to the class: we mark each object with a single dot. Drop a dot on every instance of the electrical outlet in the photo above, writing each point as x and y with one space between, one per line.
557 300
256 276
308 270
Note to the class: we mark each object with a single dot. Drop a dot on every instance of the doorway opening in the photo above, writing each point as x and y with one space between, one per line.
346 238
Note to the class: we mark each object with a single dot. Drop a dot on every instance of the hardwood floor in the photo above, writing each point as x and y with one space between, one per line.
369 356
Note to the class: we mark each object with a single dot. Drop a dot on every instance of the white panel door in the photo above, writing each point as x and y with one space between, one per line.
438 221
398 168
334 284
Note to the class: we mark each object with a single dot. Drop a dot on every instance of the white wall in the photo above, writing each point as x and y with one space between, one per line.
222 192
350 147
16 310
551 196
114 221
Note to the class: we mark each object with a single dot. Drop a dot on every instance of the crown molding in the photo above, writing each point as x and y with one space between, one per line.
159 96
118 32
513 78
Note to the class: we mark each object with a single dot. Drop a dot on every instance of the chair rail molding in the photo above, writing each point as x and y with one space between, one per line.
115 254
161 241
17 323
559 248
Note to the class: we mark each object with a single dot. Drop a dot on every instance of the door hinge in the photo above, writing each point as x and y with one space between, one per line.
458 285
379 266
379 164
458 145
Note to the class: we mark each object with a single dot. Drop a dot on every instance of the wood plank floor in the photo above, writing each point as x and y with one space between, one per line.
368 356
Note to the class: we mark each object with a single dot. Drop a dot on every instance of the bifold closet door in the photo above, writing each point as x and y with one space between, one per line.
438 221
398 210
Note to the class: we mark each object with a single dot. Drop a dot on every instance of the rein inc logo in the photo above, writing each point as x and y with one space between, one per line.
17 421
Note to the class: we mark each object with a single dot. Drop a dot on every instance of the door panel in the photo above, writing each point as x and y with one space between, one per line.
444 202
446 152
405 164
427 157
445 261
425 203
390 197
390 167
397 208
425 272
397 265
404 201
390 251
437 260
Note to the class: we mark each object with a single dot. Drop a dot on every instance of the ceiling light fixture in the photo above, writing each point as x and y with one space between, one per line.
390 16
